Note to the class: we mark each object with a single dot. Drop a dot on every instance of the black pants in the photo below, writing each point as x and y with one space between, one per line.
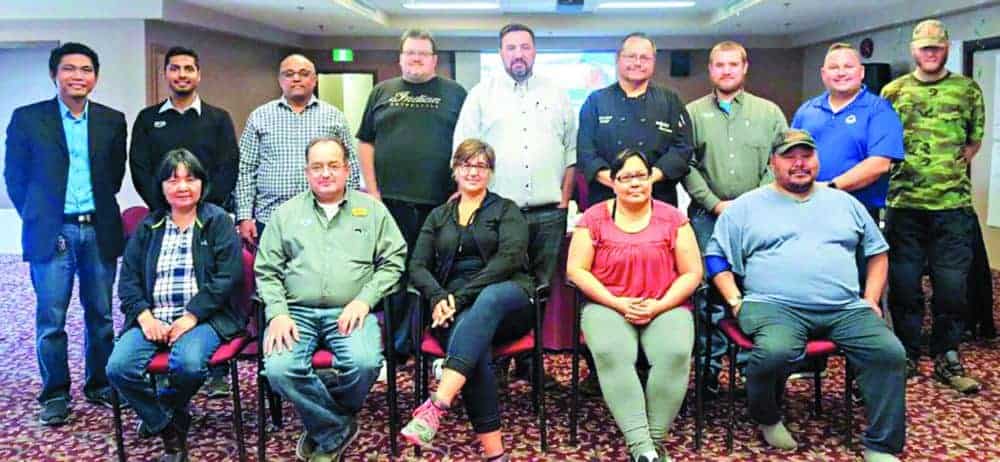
941 240
409 218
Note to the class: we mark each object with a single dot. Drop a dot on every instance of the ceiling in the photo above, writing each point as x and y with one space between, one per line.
389 17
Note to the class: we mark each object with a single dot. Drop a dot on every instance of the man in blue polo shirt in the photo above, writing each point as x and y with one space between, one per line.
857 133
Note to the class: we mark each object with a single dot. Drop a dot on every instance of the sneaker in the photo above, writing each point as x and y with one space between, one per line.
338 454
217 387
948 370
590 386
305 448
426 420
54 412
103 398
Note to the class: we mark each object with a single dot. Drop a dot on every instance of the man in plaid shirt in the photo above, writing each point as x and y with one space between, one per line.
274 142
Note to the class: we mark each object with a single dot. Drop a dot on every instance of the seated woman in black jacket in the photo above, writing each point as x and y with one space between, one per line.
178 273
470 263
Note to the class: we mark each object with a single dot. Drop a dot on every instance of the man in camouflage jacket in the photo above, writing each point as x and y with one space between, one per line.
930 220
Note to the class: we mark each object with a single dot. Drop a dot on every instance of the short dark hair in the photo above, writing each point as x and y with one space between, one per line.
181 51
72 48
639 35
173 159
417 34
619 161
471 148
516 27
328 139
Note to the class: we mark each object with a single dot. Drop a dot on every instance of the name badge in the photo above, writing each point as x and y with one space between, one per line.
359 212
663 126
604 119
159 124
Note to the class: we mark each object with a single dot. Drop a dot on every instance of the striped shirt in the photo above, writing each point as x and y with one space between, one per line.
175 284
272 154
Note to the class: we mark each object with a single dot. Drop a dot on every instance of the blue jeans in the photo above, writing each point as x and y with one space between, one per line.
188 366
779 335
327 410
501 313
77 256
703 225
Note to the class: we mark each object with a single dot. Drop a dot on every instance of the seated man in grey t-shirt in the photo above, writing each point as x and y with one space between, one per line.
793 244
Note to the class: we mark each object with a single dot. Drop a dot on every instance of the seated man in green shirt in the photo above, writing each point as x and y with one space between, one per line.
327 256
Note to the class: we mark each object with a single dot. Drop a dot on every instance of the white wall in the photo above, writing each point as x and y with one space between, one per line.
121 47
892 45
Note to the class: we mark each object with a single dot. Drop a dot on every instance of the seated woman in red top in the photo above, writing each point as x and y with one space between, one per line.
637 261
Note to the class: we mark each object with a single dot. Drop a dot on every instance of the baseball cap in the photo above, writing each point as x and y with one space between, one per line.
788 139
929 33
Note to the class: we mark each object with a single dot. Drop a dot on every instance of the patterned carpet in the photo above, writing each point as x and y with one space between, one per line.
942 425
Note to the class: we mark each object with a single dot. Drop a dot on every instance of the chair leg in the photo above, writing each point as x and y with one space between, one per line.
261 415
817 394
539 369
574 412
731 427
393 404
234 377
848 405
119 438
274 401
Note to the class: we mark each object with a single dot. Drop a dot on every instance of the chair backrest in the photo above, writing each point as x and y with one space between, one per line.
243 298
581 190
131 218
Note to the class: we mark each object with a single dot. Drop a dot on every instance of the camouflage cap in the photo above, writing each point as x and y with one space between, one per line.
929 33
788 139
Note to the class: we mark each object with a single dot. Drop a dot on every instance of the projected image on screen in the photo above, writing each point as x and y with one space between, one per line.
578 73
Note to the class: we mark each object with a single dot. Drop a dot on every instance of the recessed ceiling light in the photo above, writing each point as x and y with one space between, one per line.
617 5
412 5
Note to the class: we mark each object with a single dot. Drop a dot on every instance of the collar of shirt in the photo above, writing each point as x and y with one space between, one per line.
168 221
312 102
67 114
621 91
738 99
319 206
168 105
859 100
173 228
515 86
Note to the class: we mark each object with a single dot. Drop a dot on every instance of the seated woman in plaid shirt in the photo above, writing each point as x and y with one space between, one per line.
177 275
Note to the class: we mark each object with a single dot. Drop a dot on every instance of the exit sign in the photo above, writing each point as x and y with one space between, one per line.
342 55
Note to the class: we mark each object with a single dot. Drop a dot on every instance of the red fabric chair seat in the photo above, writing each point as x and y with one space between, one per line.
431 346
226 352
731 328
323 359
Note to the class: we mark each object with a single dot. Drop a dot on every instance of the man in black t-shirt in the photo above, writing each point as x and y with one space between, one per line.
405 140
184 121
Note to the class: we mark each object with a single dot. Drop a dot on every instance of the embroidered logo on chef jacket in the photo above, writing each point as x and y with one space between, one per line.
605 119
851 119
159 124
663 126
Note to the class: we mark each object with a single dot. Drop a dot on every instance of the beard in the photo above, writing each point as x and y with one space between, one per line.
521 73
182 93
798 188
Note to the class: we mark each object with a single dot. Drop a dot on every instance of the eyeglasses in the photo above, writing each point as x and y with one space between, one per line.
422 54
468 168
631 177
319 169
636 57
304 73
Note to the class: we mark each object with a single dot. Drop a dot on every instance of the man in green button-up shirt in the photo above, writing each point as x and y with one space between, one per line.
733 131
326 257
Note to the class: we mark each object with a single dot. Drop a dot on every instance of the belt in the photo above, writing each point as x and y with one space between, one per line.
78 218
539 208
